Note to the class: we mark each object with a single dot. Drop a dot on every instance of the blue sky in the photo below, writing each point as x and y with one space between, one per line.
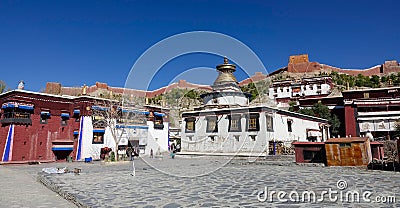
81 42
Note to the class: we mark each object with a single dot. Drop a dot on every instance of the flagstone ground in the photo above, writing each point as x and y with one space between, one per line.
190 182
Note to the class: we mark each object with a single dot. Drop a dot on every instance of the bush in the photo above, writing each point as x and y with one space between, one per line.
112 156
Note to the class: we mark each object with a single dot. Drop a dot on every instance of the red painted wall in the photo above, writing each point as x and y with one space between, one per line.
34 142
350 121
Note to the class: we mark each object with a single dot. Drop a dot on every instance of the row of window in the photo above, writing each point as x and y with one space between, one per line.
304 88
236 137
64 119
252 123
25 114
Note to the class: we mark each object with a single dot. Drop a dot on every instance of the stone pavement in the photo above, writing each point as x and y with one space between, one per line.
214 182
20 189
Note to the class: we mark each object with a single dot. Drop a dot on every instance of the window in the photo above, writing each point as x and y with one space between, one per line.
270 122
345 145
43 119
237 137
311 87
44 116
289 125
253 122
64 121
16 113
76 135
312 139
366 95
76 115
130 116
212 124
158 122
235 123
190 125
99 121
98 136
253 137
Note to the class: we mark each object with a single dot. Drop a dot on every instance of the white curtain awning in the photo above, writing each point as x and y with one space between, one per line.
314 133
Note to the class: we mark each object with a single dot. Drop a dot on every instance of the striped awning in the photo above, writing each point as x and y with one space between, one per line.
22 106
99 130
8 105
159 114
62 147
133 111
95 107
65 115
25 107
45 113
118 126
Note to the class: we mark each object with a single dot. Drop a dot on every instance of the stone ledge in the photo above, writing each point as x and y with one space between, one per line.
41 178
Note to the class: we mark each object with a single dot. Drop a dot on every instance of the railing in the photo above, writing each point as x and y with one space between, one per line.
379 113
99 124
16 117
132 121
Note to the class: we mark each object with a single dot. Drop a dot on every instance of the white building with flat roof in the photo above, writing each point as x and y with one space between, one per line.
227 124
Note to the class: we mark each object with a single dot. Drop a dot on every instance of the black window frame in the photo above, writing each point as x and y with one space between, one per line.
249 118
190 120
215 129
98 134
44 119
158 122
64 121
238 119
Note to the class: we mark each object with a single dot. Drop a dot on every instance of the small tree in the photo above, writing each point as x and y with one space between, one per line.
105 115
292 104
109 114
2 86
322 111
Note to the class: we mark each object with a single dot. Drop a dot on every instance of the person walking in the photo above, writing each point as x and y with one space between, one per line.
130 153
151 153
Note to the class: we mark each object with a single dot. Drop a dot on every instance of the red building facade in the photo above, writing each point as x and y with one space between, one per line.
372 111
38 126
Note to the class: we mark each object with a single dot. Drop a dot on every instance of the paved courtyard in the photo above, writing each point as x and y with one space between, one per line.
206 182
